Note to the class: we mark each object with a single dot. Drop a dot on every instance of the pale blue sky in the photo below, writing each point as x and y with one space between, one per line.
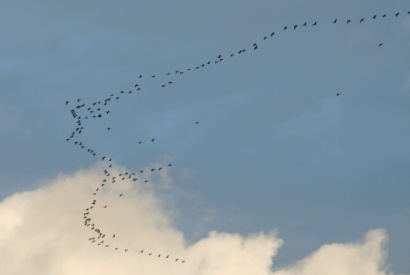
274 147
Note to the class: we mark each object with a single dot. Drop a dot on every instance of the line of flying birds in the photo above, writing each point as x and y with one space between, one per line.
98 109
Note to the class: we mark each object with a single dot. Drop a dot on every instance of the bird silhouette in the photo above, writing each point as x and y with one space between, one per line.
334 22
374 17
361 20
67 102
285 27
294 27
397 14
304 24
381 44
348 21
337 94
314 24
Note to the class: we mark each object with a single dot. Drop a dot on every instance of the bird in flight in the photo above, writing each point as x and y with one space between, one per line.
337 94
348 21
361 20
334 22
381 44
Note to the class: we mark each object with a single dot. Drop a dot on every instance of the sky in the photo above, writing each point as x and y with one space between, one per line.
279 176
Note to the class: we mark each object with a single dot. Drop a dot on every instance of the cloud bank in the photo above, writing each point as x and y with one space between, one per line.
43 232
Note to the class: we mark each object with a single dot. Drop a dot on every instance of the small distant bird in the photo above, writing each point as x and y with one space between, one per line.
140 76
159 255
113 236
176 260
219 56
139 142
78 100
152 140
294 27
167 256
169 165
153 76
272 34
142 171
109 129
397 14
285 27
116 248
381 44
183 261
374 17
136 85
67 102
334 22
265 38
126 250
337 94
121 195
348 21
384 15
149 254
314 24
197 122
361 20
105 207
142 251
304 24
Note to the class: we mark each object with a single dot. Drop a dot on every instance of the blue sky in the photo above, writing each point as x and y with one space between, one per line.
274 148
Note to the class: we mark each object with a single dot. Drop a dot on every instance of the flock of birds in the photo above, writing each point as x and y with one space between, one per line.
99 109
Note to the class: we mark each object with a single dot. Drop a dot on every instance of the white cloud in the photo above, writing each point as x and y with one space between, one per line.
43 232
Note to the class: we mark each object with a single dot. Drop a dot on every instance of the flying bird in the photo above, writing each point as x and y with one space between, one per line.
294 27
285 27
67 102
348 21
361 20
337 94
314 24
304 24
381 44
374 17
397 14
334 22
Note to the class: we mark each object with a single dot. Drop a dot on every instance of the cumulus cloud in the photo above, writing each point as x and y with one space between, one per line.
43 232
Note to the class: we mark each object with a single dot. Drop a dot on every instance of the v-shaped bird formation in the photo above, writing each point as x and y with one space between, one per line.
98 109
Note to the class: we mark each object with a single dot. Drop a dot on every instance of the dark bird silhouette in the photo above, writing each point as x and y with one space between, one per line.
183 261
381 44
272 34
197 122
314 24
384 15
136 85
285 27
159 255
140 76
348 21
176 260
152 140
294 27
169 165
167 256
78 100
374 17
361 20
142 171
304 24
337 94
142 251
109 129
265 38
219 56
113 236
334 22
105 207
139 142
67 102
149 254
126 250
397 14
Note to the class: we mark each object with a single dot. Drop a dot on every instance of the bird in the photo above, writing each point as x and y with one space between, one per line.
397 14
176 260
294 27
197 122
142 251
67 102
149 254
121 195
334 22
361 20
219 56
381 44
374 17
304 24
183 261
285 27
384 15
272 34
105 207
126 250
348 21
265 38
113 236
140 76
141 171
152 140
108 129
78 100
139 142
167 256
159 255
337 94
169 165
314 24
